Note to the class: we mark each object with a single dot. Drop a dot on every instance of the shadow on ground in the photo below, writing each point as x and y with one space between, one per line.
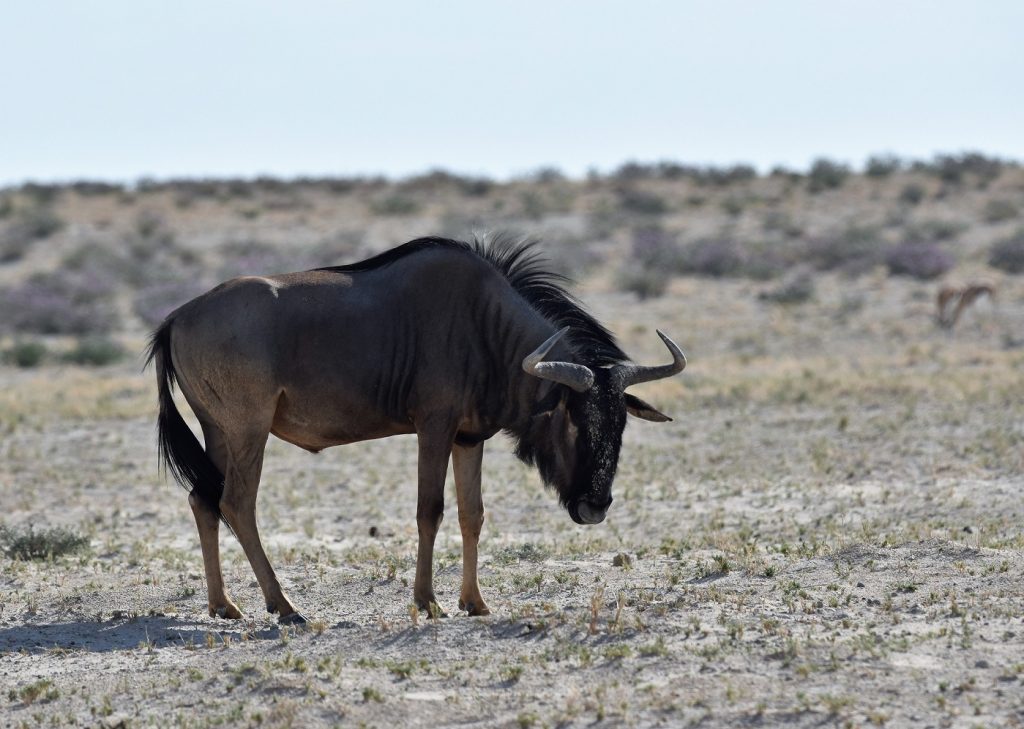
112 635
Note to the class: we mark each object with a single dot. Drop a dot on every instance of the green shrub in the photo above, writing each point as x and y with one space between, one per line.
855 249
395 205
998 211
1008 253
826 175
933 230
95 352
14 243
61 302
795 289
715 257
644 203
922 261
882 165
27 543
28 225
912 194
40 221
733 206
25 354
646 283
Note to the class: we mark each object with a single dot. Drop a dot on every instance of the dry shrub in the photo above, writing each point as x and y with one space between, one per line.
826 174
1008 253
154 302
852 250
27 543
918 260
24 354
796 288
646 283
95 352
882 165
999 211
716 257
62 302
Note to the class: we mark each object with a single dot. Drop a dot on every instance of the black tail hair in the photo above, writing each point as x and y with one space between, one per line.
180 451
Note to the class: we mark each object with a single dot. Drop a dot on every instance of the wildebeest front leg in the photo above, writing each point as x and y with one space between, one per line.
434 450
466 463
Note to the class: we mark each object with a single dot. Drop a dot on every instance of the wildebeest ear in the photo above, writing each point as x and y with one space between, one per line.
636 406
549 402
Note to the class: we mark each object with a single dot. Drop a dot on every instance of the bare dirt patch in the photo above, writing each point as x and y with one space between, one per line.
830 532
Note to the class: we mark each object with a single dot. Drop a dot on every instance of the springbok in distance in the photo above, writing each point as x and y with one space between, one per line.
952 300
451 341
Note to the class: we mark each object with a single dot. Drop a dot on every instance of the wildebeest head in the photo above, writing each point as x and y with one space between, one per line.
575 431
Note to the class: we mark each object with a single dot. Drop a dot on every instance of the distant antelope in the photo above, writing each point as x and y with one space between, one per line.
952 300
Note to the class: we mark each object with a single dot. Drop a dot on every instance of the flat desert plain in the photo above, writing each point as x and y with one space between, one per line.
831 532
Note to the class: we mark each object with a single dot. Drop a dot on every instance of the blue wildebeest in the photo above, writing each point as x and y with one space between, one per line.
450 341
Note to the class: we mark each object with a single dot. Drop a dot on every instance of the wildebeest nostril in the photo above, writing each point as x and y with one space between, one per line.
589 512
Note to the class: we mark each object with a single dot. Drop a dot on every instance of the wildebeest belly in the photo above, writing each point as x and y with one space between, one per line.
330 421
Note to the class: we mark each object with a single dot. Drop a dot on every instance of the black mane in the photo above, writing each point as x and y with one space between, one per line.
526 271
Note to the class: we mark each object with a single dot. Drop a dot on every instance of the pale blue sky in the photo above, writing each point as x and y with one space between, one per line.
119 89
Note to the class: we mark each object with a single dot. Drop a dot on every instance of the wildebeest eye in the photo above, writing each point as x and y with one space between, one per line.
548 403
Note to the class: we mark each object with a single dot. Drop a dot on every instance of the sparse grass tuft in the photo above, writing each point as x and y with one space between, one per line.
41 690
27 543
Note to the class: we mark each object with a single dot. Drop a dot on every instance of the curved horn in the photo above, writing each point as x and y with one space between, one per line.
578 377
628 375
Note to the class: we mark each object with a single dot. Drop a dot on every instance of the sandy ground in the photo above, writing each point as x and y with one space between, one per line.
831 532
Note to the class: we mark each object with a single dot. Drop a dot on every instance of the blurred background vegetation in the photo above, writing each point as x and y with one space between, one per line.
85 262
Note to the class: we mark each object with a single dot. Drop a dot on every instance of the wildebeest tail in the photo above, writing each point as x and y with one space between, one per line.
180 451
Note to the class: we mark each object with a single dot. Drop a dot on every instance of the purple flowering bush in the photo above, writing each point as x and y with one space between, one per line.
918 260
61 302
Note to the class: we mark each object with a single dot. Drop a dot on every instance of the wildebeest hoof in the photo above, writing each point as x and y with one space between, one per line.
226 612
291 619
431 608
473 609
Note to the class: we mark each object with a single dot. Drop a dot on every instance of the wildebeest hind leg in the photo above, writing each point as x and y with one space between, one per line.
238 504
220 604
434 451
466 464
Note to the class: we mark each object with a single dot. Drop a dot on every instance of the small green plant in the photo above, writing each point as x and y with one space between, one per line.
95 352
656 649
527 719
511 674
27 543
522 553
372 694
42 689
25 354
